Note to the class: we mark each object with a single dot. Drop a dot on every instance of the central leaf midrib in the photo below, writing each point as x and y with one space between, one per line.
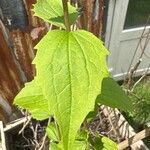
70 79
62 40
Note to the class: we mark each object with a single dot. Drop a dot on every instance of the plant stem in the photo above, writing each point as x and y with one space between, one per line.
66 14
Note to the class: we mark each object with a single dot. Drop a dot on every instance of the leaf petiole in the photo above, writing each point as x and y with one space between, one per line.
66 14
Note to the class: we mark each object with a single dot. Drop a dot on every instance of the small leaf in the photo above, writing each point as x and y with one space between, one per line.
82 135
52 11
112 95
79 145
32 99
54 146
102 143
92 114
81 141
52 132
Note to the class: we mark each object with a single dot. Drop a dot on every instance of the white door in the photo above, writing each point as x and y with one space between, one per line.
125 24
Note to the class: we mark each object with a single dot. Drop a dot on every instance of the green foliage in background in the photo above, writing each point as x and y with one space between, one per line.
141 102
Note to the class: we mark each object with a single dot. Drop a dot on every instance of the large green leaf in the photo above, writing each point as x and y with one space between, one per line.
70 68
32 99
52 11
112 95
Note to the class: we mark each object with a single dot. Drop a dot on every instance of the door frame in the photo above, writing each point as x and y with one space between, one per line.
115 19
116 16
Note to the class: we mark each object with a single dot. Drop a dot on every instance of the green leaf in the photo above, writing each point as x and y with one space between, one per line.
52 11
92 114
81 141
54 146
70 68
82 135
112 95
103 143
32 99
52 132
79 145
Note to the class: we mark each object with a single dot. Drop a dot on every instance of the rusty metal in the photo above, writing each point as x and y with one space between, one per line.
98 17
16 55
92 16
10 81
17 43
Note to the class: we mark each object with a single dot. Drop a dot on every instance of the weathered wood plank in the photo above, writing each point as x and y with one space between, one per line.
3 142
137 137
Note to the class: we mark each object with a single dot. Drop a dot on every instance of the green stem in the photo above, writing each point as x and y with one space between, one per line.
57 129
66 14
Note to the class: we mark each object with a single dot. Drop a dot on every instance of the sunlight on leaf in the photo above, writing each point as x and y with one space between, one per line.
70 71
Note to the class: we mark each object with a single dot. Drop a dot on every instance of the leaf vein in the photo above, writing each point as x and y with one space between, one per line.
85 60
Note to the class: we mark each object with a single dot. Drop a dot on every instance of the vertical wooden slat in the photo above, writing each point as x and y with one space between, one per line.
9 74
97 24
2 136
22 49
91 17
82 8
89 13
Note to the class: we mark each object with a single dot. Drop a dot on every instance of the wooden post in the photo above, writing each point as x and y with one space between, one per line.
2 136
137 137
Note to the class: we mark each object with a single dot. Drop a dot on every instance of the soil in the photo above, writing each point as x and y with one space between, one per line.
29 139
32 136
